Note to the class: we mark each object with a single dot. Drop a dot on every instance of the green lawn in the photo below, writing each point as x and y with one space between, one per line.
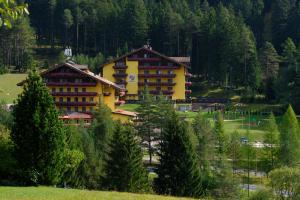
47 193
8 86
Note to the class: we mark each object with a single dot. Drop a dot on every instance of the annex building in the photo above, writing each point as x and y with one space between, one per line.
163 75
77 92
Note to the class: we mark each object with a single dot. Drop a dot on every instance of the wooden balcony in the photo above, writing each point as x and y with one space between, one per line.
144 59
188 91
74 94
156 84
71 84
120 75
158 67
157 92
75 103
120 67
188 84
157 75
64 74
188 75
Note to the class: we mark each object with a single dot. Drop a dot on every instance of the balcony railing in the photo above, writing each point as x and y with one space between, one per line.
157 92
144 59
120 75
158 67
70 84
73 94
64 74
75 103
156 84
189 75
157 75
188 84
188 91
120 67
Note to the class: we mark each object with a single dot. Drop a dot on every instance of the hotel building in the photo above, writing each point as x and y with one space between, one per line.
144 66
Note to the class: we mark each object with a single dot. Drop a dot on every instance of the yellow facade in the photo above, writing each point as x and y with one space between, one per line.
169 80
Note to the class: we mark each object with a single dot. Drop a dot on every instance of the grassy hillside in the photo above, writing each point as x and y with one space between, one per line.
8 86
47 193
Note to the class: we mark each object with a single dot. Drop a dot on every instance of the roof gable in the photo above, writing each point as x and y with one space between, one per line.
146 50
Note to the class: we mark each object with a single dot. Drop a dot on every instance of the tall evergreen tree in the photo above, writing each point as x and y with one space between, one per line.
178 171
219 132
272 139
289 139
38 134
124 168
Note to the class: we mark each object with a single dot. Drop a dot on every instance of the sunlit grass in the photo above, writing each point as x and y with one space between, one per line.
8 86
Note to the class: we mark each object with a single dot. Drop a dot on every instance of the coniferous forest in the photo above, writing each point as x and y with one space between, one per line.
253 44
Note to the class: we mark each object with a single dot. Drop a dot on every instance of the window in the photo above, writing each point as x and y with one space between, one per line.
170 72
69 89
68 99
68 109
83 109
91 109
91 99
83 99
170 88
76 109
158 88
146 72
61 99
61 89
76 99
83 89
158 80
76 89
158 72
146 64
53 89
170 80
170 64
146 80
145 55
159 64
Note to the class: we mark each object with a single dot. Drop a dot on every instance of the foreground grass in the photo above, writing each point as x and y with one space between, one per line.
8 86
48 193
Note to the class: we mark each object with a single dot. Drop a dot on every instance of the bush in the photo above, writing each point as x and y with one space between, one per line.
261 195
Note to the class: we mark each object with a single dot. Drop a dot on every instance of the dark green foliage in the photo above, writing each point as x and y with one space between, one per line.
289 139
124 168
178 171
262 195
38 134
220 136
101 131
7 161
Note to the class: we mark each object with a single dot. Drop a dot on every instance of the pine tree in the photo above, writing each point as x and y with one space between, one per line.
272 140
220 136
270 61
289 139
124 168
205 144
148 114
178 171
38 134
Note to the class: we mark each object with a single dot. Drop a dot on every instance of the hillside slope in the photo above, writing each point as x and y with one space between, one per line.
48 193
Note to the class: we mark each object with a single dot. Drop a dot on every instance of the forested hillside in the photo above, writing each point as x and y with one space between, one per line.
248 43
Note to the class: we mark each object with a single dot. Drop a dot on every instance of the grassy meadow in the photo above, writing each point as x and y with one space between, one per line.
8 86
48 193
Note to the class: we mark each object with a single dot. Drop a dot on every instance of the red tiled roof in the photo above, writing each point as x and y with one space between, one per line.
78 69
76 115
146 49
125 112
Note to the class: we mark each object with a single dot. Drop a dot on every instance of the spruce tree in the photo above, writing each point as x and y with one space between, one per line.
38 134
219 132
271 138
178 171
205 145
124 169
289 139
